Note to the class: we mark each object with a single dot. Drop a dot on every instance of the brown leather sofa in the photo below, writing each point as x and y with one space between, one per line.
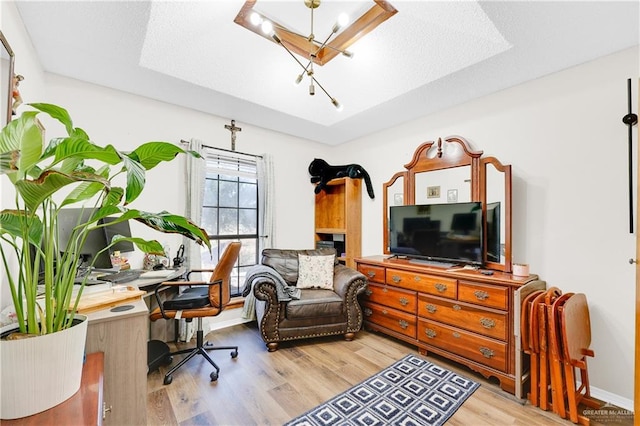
317 312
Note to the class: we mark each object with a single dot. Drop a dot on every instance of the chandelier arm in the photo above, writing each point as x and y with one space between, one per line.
321 87
292 55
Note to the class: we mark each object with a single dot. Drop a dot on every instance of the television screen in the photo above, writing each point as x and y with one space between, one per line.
442 232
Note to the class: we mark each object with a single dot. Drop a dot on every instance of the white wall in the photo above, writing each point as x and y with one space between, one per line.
562 134
567 145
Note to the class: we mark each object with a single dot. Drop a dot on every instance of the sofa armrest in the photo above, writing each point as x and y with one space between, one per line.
349 283
344 277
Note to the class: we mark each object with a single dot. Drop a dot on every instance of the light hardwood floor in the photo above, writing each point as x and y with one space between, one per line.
262 388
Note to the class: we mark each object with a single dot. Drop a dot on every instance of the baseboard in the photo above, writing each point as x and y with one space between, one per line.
612 398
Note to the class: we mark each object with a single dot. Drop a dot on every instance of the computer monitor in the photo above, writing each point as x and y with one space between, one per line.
95 241
119 228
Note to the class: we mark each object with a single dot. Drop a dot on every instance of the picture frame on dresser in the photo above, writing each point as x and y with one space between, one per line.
7 59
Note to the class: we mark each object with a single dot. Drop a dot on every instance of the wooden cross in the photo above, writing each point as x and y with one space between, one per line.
233 129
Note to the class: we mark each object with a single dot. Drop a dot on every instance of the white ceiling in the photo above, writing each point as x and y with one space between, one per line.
429 56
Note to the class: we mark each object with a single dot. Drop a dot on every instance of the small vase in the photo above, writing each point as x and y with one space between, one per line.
38 373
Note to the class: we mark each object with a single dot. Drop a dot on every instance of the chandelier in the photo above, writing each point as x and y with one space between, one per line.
308 47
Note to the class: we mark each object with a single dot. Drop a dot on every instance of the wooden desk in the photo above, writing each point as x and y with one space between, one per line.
84 407
122 336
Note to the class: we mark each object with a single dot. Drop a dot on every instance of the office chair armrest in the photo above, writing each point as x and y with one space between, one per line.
188 274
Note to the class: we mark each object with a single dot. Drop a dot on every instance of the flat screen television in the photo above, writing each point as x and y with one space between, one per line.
449 233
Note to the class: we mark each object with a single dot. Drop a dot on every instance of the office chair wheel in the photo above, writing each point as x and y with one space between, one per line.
168 380
168 360
214 376
234 354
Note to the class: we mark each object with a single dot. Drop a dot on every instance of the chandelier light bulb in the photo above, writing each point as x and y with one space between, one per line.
255 19
336 104
343 20
312 89
267 27
348 54
299 79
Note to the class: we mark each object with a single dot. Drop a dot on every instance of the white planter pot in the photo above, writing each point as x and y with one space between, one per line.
41 372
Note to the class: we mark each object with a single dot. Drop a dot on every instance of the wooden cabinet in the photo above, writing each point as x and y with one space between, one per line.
122 336
338 217
458 313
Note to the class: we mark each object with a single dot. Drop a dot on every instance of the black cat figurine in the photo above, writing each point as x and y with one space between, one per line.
321 173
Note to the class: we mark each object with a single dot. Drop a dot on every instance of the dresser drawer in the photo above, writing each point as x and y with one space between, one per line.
484 350
487 322
373 273
404 300
492 296
393 319
423 283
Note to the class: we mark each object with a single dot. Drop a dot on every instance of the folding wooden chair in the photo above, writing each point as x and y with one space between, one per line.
558 391
575 326
540 306
527 344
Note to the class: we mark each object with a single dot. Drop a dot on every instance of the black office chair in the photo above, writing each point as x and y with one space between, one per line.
199 302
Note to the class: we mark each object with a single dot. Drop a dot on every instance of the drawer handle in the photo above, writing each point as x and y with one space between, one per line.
456 334
396 279
371 274
368 292
431 308
487 322
440 287
385 290
486 352
403 301
403 324
385 312
416 278
430 333
481 295
456 307
368 312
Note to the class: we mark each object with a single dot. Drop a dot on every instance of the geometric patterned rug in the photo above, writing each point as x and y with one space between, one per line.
412 391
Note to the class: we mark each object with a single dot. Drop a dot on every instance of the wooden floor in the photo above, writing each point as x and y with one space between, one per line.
262 388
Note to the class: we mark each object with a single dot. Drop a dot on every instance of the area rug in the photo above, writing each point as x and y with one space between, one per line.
412 391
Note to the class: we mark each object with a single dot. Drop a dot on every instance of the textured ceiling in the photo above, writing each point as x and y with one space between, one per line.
429 56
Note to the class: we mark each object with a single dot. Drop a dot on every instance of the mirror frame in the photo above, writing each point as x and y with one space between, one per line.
506 169
6 94
445 159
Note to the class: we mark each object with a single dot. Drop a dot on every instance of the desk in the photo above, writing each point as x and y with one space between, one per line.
123 336
84 407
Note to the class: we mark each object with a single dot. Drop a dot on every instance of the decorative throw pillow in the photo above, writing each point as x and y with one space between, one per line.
315 271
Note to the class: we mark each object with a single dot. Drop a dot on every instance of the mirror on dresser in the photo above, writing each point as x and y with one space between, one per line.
450 171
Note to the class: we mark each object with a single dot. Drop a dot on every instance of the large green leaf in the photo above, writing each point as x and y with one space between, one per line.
135 179
23 138
150 154
174 224
56 112
75 147
35 192
14 223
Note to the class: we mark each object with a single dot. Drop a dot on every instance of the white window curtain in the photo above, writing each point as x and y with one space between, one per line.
195 170
266 201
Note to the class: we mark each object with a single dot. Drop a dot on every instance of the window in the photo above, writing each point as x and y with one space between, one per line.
230 211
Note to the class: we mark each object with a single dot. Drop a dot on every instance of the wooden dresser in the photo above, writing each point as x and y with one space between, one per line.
461 314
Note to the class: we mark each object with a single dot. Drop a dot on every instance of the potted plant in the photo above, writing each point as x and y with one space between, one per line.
69 170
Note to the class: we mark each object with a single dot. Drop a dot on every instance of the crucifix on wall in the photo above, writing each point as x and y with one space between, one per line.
233 129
